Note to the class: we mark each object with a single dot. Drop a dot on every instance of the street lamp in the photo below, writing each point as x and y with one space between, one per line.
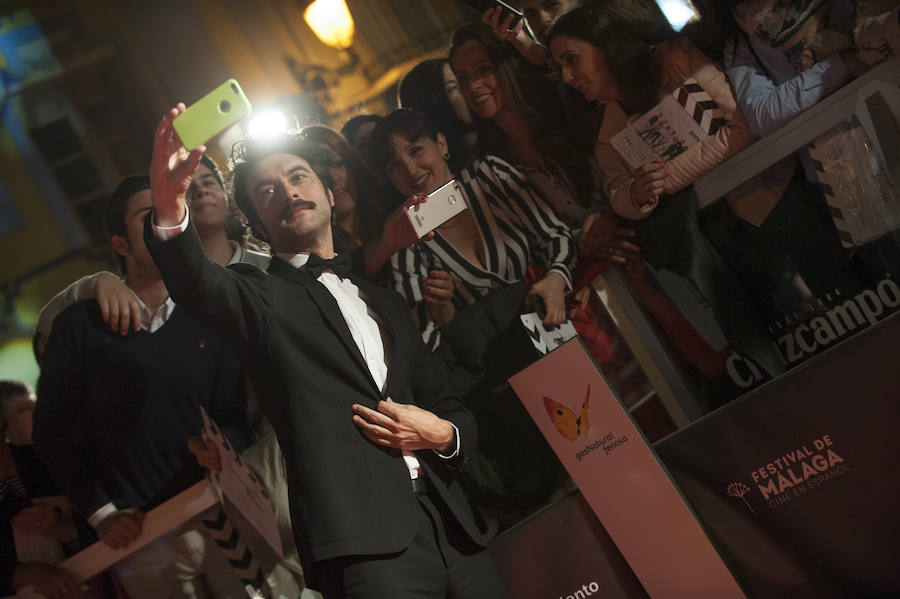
331 21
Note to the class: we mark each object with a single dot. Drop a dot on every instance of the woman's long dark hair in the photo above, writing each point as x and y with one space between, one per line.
368 200
625 35
565 141
423 90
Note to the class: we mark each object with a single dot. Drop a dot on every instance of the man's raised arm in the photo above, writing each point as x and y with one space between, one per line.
237 305
171 170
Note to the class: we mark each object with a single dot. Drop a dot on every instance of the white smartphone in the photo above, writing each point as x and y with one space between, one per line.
442 204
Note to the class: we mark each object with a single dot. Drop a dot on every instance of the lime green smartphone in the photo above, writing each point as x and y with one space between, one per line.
211 114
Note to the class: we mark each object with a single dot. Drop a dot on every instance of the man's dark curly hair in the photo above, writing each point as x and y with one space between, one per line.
246 153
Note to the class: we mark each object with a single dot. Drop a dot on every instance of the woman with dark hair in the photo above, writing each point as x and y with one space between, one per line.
627 63
357 211
506 229
521 117
357 132
478 262
432 89
617 57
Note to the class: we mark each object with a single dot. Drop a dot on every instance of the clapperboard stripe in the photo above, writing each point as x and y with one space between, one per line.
837 215
238 555
699 105
535 336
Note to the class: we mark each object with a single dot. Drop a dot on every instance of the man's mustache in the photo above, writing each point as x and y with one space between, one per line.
295 204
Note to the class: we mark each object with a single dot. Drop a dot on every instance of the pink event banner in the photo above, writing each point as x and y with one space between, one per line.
621 478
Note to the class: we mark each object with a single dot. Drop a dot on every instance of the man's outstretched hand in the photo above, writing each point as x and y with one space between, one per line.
171 170
404 426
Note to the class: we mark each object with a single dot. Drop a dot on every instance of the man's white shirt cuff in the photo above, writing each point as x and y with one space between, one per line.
102 512
456 449
163 233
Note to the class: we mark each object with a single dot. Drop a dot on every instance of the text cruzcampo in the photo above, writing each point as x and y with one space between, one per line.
841 320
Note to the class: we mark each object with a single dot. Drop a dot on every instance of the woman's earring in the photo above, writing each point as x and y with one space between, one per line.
446 155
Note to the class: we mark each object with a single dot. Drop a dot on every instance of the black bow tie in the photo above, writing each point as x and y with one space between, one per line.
340 264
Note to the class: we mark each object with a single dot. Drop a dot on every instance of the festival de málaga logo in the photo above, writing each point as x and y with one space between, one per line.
792 474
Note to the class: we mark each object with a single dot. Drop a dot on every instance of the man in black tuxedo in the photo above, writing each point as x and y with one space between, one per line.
371 436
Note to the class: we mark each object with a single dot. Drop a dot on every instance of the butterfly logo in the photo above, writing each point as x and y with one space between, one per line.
566 422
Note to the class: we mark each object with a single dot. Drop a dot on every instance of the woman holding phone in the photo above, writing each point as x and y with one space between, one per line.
478 268
368 223
506 230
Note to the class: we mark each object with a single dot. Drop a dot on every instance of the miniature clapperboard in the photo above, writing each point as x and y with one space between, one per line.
546 340
683 118
240 485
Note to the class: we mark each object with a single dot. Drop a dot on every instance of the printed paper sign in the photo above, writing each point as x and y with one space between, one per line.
621 478
682 119
239 484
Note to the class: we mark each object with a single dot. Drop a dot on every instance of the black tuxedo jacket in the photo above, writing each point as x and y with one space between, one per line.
349 496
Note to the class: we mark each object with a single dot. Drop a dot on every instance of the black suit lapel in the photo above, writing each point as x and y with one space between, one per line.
327 305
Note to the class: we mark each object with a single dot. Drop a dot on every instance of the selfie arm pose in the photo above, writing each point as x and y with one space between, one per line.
371 436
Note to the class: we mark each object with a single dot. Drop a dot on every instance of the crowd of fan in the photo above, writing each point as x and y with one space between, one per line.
525 127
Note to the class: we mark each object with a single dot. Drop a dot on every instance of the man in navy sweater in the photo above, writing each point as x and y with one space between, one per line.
116 412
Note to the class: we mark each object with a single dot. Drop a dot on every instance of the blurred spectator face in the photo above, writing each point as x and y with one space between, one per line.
418 167
17 412
360 141
540 13
457 101
139 205
343 185
584 68
206 200
478 80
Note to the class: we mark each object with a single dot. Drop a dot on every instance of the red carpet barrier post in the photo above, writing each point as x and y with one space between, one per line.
620 477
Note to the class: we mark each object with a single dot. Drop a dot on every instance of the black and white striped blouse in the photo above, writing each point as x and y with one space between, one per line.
518 230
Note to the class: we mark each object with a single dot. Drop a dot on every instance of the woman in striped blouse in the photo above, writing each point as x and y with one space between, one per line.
477 261
506 229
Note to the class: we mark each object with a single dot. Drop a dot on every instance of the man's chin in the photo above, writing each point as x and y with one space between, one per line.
298 235
208 222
